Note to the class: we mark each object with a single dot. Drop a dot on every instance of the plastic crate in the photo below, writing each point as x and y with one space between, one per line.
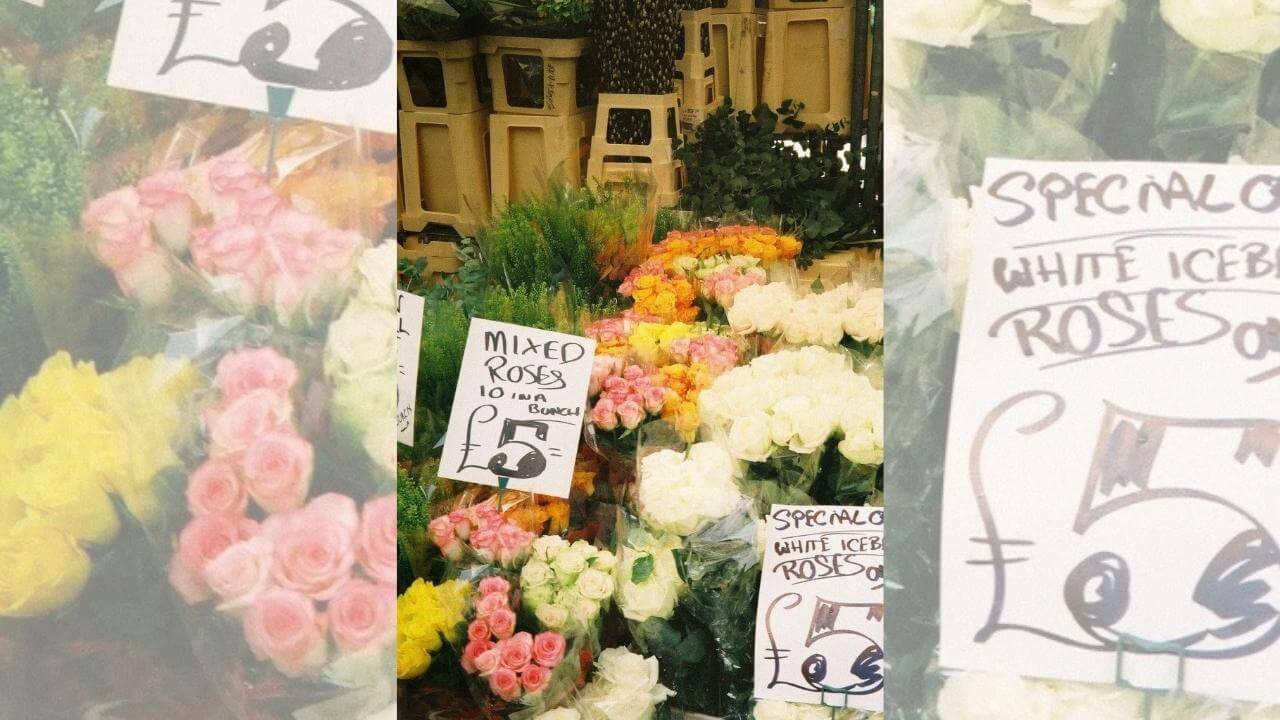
809 59
539 76
528 152
444 170
651 163
440 76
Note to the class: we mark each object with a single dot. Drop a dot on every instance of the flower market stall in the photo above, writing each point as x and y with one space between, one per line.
196 300
1029 585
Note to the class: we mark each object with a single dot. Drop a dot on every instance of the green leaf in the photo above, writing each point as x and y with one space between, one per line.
642 569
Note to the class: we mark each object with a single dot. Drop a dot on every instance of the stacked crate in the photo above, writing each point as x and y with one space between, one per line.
809 58
649 163
543 93
737 50
697 75
444 125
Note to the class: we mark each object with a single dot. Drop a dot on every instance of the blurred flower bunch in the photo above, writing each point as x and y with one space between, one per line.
682 493
816 318
221 226
427 616
482 529
77 447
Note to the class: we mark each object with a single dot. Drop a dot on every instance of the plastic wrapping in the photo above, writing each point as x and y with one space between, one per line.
1143 91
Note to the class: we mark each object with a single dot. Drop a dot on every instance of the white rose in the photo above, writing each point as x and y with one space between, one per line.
626 670
560 714
941 23
537 596
535 573
374 272
865 320
773 710
1096 702
749 437
552 616
655 597
360 362
1229 26
547 546
604 560
1070 12
568 564
594 585
981 696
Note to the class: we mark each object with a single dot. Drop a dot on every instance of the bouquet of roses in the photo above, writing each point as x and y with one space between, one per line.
626 686
480 533
844 315
567 586
783 411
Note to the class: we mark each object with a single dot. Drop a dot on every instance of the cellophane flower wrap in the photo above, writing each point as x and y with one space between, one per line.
280 538
1183 80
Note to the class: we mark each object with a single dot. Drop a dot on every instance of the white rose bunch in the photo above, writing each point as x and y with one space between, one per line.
1238 26
625 687
566 585
647 582
796 400
360 356
819 318
940 23
682 493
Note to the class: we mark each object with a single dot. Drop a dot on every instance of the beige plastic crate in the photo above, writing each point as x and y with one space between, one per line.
737 48
652 164
444 170
809 58
740 6
520 68
441 255
696 90
452 64
528 151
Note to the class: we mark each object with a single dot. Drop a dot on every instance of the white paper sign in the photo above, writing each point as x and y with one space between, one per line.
410 308
820 621
338 55
517 412
1111 474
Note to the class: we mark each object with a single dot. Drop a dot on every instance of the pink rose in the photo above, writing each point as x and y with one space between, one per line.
502 623
231 247
335 249
487 604
313 555
603 415
362 614
655 397
548 649
259 203
146 278
283 626
505 684
478 630
240 573
121 225
473 650
232 176
277 470
534 678
214 489
206 536
441 532
247 369
487 662
172 210
631 414
494 584
189 583
237 422
376 541
334 507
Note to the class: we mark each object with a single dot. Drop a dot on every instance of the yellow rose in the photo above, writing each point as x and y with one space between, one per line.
41 569
68 499
412 660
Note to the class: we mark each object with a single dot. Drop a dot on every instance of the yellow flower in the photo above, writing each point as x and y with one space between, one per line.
41 569
651 342
57 491
412 660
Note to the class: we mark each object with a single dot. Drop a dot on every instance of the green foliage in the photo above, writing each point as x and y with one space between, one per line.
548 240
52 26
737 165
41 168
439 19
23 348
568 11
126 117
444 336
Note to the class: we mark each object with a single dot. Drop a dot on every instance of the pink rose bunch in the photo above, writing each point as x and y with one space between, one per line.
255 451
483 529
626 399
722 283
225 217
717 352
297 579
515 663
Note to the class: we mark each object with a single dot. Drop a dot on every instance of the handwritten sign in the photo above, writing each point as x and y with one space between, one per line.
820 621
517 412
410 309
336 55
1111 477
